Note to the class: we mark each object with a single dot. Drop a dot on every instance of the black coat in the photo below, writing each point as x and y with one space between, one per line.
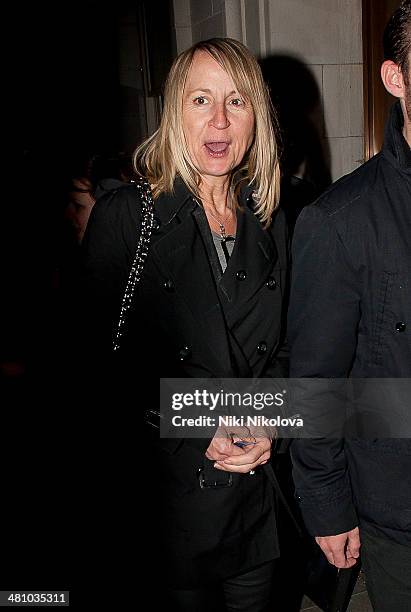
190 320
350 315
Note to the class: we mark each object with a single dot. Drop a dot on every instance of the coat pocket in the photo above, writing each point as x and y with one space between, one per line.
382 318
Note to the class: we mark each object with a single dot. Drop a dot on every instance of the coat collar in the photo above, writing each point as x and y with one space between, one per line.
180 202
395 146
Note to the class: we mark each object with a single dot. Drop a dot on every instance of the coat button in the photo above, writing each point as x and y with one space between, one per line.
184 353
262 348
241 275
271 283
400 326
169 285
156 225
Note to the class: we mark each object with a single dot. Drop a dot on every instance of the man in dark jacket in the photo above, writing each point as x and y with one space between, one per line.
350 316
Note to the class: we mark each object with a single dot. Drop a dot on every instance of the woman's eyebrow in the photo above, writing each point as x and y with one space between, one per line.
207 91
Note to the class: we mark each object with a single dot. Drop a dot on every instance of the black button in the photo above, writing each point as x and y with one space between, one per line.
262 348
169 285
184 353
400 326
241 275
271 283
156 225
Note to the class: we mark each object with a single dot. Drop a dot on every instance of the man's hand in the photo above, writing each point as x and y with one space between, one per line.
341 550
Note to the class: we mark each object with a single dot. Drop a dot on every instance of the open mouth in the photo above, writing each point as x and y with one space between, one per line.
217 148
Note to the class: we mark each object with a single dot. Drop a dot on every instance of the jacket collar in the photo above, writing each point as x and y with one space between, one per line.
180 202
395 147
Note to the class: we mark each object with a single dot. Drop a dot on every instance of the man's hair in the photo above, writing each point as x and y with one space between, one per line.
165 155
397 37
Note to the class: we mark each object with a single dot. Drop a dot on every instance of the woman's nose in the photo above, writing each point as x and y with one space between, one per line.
219 119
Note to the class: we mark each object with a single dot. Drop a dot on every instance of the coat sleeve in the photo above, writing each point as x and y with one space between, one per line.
107 252
322 331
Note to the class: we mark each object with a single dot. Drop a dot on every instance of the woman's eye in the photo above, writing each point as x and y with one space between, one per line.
236 102
200 100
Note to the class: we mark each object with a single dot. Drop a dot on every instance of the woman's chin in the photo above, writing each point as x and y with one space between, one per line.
218 167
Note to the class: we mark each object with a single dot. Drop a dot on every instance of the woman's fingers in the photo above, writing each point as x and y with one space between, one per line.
250 458
250 454
222 448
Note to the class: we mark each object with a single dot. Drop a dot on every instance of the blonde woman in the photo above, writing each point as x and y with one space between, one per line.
209 304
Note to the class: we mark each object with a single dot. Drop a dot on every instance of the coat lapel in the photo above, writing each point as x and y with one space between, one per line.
251 262
182 256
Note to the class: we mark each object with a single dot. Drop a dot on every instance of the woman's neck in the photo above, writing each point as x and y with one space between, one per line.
216 195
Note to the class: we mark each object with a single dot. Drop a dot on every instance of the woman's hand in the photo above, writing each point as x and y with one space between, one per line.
250 458
229 457
222 447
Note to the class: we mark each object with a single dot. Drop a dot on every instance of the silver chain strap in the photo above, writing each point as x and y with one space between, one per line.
147 218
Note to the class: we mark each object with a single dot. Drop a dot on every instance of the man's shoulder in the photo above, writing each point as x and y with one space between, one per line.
352 191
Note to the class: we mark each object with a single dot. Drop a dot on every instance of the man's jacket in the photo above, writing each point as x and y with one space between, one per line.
350 316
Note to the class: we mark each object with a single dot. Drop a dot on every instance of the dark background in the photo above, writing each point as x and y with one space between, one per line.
72 100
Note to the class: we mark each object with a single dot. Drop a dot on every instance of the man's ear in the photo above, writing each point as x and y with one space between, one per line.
393 79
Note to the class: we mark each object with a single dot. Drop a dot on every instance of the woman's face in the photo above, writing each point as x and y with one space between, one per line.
218 123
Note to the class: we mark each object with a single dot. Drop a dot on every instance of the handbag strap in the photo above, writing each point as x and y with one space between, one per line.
146 202
269 472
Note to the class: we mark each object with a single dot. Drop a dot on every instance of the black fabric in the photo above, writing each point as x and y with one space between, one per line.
194 600
201 536
351 286
387 566
249 592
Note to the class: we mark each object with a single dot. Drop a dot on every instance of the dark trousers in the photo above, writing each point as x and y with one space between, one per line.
387 567
249 592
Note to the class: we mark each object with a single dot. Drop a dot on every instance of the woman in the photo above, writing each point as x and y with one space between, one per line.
209 304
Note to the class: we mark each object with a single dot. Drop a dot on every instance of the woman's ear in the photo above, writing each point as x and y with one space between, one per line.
393 79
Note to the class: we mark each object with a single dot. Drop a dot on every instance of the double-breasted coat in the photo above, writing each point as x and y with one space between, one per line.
191 320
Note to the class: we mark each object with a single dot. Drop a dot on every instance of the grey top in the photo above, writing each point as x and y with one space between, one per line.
224 248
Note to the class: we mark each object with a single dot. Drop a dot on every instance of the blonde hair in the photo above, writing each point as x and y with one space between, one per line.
165 155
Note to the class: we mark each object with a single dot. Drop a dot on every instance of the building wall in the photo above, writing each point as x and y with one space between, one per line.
207 18
183 25
326 36
323 35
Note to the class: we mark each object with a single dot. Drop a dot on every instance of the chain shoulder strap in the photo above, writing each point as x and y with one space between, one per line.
145 200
